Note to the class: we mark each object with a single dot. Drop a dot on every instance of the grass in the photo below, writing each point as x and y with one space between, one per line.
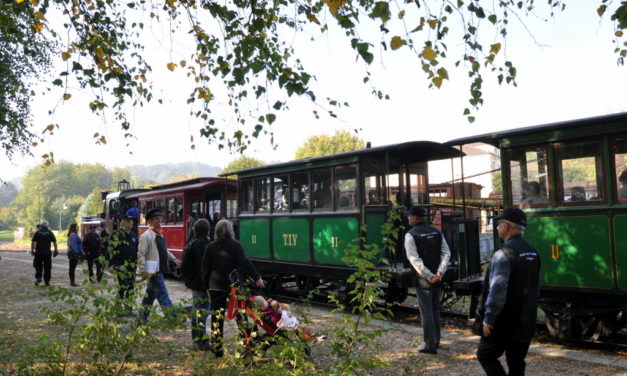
6 236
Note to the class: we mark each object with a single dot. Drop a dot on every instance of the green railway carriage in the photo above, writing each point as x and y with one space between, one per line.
571 179
296 219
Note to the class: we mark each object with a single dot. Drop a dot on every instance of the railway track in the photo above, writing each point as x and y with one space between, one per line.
407 313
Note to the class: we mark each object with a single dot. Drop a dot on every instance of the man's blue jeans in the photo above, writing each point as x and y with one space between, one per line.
202 305
429 305
155 290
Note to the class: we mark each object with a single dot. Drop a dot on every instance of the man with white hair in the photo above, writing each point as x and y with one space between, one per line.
40 248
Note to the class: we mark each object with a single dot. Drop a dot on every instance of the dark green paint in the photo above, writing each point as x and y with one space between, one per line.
374 224
585 256
346 230
620 241
290 239
255 237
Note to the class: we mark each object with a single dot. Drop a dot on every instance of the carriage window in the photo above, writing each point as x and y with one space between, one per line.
528 176
262 194
231 208
145 206
620 165
418 183
321 187
581 172
346 187
195 207
159 204
178 202
373 189
396 190
246 195
280 189
171 211
300 191
213 207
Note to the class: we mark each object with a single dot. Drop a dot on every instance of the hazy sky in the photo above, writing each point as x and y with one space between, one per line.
572 74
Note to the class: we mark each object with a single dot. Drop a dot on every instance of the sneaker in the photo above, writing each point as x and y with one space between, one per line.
37 282
73 284
426 350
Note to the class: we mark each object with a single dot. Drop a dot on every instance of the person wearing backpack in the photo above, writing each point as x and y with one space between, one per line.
74 251
192 276
511 300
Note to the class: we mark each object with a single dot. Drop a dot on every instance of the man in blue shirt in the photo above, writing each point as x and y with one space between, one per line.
512 298
133 214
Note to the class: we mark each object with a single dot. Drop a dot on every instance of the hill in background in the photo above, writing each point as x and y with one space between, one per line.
161 173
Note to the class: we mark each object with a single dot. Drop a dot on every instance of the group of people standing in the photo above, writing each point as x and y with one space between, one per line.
510 298
205 268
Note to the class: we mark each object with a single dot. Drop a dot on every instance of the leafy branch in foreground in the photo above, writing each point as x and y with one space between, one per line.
242 53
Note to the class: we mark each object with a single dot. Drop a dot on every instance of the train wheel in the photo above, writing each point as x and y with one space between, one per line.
395 294
306 284
584 327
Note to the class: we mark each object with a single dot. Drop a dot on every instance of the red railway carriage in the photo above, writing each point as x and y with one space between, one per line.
205 196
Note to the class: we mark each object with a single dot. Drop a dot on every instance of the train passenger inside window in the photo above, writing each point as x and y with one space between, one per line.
531 191
622 190
300 191
373 198
528 173
577 193
322 189
581 171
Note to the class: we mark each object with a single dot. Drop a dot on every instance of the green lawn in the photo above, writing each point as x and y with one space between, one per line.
6 235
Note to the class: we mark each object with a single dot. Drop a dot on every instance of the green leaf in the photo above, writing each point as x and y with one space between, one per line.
397 42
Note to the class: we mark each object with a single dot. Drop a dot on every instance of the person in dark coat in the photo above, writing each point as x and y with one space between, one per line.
191 221
123 257
192 276
40 248
512 298
92 245
74 251
221 257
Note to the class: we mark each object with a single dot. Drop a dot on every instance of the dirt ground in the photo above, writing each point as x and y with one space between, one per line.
21 319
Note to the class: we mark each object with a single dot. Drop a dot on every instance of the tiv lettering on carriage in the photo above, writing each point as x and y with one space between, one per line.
289 240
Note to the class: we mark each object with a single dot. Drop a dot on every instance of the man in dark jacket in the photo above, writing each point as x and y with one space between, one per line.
124 257
191 221
428 253
512 299
92 245
40 248
221 257
192 276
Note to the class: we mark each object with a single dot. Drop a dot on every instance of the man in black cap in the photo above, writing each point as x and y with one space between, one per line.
152 260
124 257
40 248
191 220
428 254
511 301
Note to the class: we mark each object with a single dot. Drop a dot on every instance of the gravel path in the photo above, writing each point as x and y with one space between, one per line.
400 343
